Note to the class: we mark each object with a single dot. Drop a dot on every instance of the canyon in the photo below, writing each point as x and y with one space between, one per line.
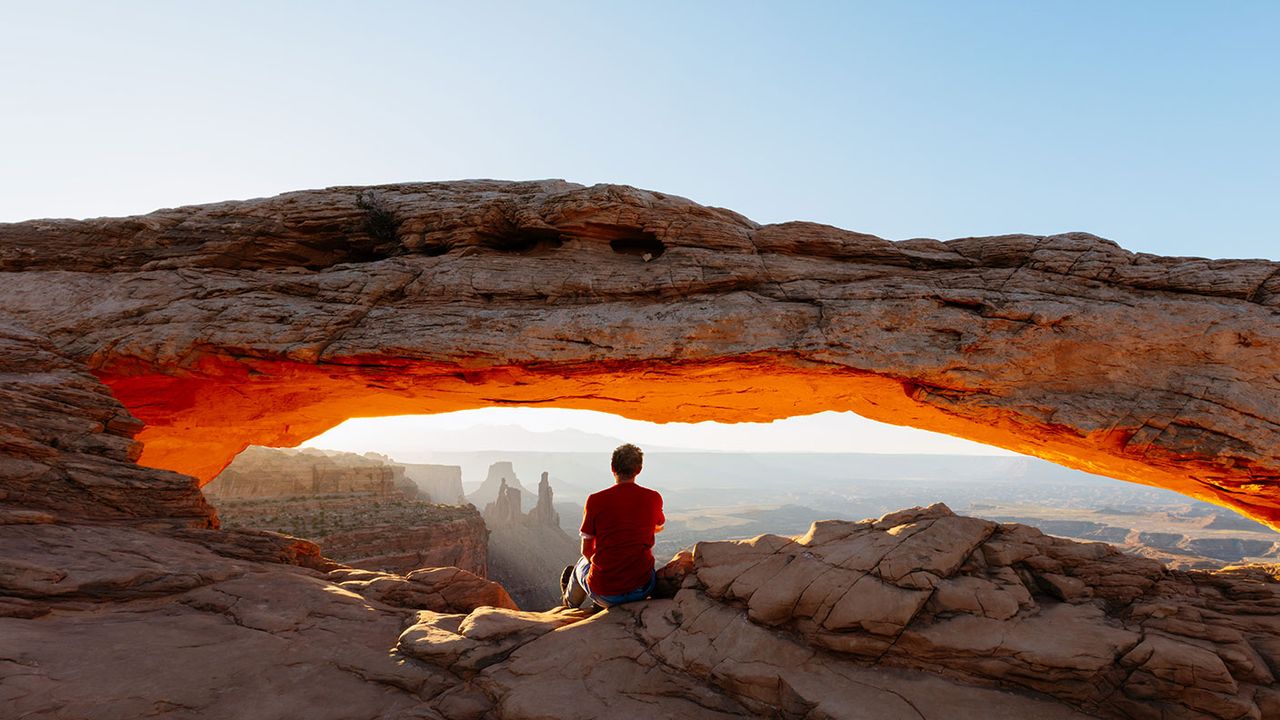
527 551
140 355
362 511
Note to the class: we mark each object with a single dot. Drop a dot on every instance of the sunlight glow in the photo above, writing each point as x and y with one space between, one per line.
567 430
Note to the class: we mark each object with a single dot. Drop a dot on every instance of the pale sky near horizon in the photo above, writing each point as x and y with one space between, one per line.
490 428
1150 123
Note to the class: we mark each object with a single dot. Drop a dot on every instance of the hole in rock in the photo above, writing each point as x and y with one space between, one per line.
516 239
642 244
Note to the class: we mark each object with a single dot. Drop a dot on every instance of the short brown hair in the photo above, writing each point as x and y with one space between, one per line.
627 460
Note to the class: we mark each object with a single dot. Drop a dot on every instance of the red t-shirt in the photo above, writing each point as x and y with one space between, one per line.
621 521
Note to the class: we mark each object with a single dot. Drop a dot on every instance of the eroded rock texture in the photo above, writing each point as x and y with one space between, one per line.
267 321
362 511
261 473
374 532
921 614
115 622
67 450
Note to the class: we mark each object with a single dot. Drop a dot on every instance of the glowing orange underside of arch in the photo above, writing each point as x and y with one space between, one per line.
199 418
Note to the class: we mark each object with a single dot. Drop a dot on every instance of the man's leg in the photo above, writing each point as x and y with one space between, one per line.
576 591
564 580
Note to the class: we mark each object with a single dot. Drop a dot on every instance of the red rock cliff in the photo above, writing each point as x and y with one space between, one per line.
352 506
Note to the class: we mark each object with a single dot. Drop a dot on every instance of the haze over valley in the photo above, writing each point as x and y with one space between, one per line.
716 495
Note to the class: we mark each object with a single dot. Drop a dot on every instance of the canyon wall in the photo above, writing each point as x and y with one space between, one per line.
355 507
440 483
67 447
461 542
376 532
260 472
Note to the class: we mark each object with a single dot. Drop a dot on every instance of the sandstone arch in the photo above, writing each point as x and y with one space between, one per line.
270 320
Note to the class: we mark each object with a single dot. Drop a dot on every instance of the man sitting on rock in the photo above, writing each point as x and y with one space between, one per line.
618 525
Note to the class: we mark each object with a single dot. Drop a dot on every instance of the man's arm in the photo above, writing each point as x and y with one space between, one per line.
588 547
659 520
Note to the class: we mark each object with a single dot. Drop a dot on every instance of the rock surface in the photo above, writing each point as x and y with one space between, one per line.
67 450
439 483
544 512
353 506
115 622
267 321
921 614
260 472
375 532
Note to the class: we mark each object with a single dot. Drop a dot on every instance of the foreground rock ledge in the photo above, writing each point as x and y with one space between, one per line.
268 321
920 614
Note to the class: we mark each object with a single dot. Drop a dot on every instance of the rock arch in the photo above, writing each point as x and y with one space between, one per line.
268 321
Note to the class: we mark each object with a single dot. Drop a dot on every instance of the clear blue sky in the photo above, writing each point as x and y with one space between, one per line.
1152 123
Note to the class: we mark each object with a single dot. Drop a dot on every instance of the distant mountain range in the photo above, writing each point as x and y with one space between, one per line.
512 438
515 438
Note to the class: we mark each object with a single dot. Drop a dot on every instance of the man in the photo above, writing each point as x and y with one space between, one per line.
618 525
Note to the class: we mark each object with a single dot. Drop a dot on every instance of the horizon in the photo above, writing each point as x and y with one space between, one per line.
820 433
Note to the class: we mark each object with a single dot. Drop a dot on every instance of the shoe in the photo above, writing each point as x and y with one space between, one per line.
564 579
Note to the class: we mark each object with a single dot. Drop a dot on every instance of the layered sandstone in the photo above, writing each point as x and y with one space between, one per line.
267 321
355 507
118 600
439 483
921 614
377 532
67 450
505 509
260 472
115 623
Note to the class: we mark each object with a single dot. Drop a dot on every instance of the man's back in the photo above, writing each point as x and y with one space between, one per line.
621 521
